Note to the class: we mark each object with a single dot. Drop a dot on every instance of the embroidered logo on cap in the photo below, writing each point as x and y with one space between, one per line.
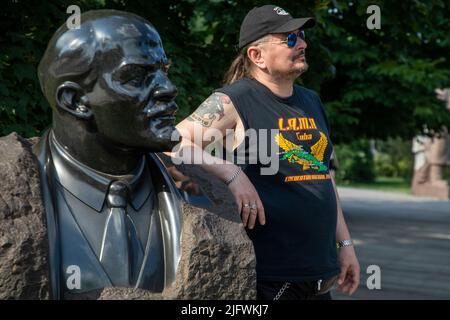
280 11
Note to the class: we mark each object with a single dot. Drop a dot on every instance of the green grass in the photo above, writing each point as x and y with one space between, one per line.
382 184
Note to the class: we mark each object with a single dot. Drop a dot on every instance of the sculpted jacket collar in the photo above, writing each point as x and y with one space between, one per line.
91 186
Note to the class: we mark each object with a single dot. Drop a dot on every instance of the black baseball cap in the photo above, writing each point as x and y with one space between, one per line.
267 19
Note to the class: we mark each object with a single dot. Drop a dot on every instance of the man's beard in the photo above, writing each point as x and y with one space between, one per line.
292 74
301 70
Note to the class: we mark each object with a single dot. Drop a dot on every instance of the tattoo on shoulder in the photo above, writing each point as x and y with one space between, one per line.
211 109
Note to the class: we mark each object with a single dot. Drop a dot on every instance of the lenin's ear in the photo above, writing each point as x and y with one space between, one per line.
70 98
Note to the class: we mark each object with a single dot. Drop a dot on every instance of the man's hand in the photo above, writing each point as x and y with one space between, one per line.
182 181
245 193
349 278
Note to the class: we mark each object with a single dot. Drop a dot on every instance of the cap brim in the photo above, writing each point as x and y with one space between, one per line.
294 24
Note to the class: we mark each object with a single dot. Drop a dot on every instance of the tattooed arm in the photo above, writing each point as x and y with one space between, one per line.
215 115
211 109
207 124
211 120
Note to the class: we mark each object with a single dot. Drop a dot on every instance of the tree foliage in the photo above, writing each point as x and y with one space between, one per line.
374 83
385 79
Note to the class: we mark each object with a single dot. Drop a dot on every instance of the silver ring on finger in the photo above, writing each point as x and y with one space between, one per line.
246 205
253 206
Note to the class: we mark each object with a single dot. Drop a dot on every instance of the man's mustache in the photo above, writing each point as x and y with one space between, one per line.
300 54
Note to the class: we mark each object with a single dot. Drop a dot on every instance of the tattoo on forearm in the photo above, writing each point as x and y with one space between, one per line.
211 109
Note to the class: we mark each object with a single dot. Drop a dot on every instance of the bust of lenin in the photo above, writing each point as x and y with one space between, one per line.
112 211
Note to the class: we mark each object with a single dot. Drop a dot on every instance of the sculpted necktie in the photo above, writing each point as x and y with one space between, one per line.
115 254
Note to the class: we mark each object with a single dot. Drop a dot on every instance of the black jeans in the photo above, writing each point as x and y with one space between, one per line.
268 290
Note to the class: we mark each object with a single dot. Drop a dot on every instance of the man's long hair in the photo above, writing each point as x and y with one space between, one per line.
241 66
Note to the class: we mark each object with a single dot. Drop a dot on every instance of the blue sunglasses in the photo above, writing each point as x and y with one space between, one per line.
291 39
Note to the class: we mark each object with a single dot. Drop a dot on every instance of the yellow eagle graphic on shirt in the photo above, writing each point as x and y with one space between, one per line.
296 154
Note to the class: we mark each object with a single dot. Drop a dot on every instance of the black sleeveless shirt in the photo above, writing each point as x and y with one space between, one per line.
298 241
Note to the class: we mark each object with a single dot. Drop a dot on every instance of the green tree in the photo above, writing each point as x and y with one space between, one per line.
374 83
385 79
26 27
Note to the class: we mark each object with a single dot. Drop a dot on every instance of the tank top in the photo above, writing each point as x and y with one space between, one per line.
298 241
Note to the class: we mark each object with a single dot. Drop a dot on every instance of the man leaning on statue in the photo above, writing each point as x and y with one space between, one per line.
94 206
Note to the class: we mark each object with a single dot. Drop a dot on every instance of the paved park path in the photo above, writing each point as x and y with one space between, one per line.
407 237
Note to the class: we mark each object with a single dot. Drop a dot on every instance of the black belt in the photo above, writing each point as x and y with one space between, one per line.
314 287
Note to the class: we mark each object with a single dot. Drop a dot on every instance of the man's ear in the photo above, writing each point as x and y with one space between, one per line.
254 54
70 98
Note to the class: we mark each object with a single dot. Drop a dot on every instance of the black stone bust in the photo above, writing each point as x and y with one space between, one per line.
113 212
